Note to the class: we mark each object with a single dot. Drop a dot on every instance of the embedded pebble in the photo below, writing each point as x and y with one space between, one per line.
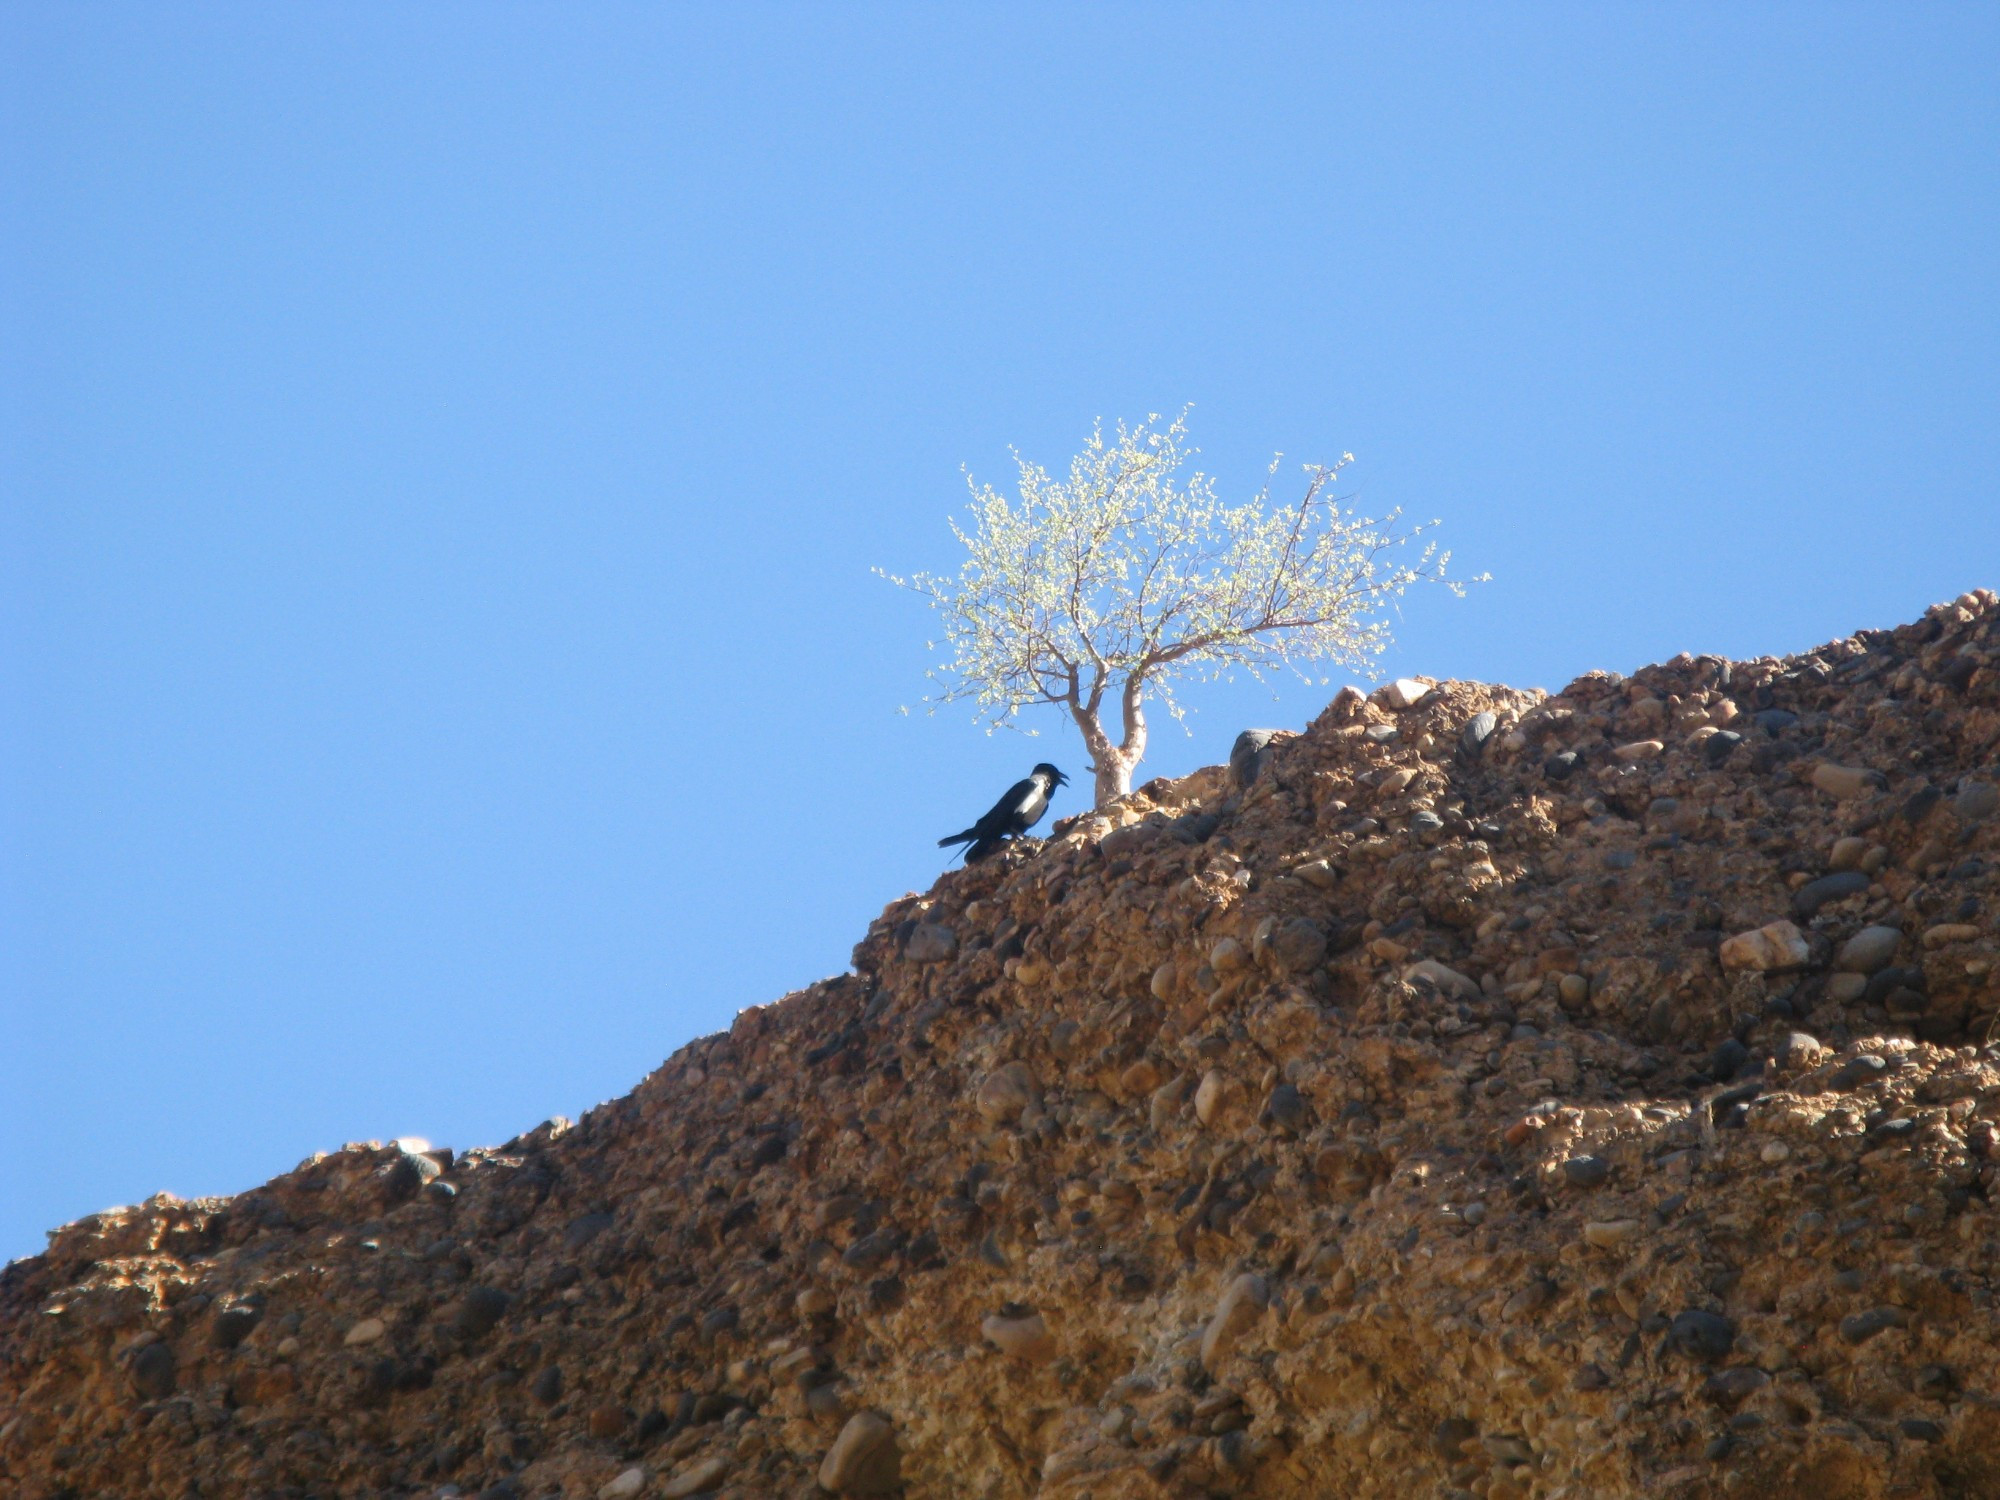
1717 747
1020 1333
624 1486
1976 801
1728 1059
1586 1171
1442 977
1238 1310
1228 956
1394 782
930 943
1810 897
1707 1336
1298 946
1286 1108
1318 873
1865 1067
1798 1049
1946 933
367 1331
1005 1093
1607 1234
1405 692
153 1372
697 1479
1860 1327
864 1459
1777 945
1870 949
1733 1385
1845 781
480 1310
1209 1095
1248 754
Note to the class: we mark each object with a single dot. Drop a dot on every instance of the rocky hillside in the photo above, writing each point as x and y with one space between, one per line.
1479 1093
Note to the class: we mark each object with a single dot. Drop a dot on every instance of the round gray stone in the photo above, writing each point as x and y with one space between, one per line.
1868 950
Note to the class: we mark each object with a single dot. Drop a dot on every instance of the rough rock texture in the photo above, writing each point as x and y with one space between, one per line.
1416 1120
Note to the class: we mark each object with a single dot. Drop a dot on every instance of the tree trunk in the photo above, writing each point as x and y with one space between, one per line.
1114 764
1114 775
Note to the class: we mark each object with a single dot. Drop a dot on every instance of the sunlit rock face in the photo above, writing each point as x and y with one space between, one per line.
1498 1094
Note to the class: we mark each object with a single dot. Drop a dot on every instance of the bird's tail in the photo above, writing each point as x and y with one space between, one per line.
957 838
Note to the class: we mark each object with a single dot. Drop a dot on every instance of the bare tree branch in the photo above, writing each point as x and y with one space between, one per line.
1128 571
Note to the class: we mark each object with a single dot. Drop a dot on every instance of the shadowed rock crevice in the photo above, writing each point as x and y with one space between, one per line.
1480 1092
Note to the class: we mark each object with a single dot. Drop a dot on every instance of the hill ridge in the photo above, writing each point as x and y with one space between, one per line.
1504 1094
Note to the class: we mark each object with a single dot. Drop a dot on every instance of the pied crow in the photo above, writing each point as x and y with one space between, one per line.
1015 813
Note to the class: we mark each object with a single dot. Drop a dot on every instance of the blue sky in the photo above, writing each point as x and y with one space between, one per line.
443 448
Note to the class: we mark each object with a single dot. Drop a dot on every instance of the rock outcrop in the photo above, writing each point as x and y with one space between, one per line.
1496 1094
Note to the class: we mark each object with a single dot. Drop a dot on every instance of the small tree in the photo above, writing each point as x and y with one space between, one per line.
1111 582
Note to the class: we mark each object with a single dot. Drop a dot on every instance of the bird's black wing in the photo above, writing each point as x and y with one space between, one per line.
1000 817
998 822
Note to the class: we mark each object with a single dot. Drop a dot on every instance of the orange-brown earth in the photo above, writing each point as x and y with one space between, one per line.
1593 1099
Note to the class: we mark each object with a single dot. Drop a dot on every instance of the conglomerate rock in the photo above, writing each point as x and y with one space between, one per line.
1501 1095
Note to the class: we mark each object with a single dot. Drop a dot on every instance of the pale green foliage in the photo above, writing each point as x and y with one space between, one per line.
1129 571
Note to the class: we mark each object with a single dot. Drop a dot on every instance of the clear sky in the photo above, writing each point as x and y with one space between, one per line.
443 448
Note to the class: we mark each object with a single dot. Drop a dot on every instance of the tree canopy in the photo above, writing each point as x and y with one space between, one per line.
1128 572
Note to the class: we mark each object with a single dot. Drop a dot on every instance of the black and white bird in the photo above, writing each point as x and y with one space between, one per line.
1014 814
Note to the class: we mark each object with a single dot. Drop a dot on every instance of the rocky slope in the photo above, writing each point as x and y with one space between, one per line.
1504 1095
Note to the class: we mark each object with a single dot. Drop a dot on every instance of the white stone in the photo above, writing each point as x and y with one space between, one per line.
1776 945
1445 979
863 1459
624 1487
1022 1336
365 1332
1208 1097
1395 781
1606 1234
1240 1307
1639 750
1405 692
697 1480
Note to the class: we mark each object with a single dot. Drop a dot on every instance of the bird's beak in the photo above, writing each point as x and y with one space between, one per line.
1061 780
